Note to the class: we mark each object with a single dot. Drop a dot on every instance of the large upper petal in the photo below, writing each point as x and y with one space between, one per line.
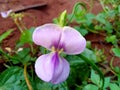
52 68
72 41
47 35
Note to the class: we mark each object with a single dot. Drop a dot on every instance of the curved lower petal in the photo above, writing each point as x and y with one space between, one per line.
44 67
62 71
73 42
52 68
47 35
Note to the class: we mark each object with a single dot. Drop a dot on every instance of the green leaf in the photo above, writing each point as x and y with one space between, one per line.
7 56
111 39
79 70
89 18
23 53
107 82
89 54
12 79
4 35
43 50
22 56
114 86
117 69
116 51
81 30
74 60
108 27
95 78
93 65
41 85
26 36
55 20
90 87
98 27
88 44
62 18
119 8
101 18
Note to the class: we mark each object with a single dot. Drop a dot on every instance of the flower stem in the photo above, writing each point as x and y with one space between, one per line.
26 78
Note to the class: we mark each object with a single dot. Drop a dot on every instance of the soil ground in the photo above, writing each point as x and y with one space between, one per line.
45 14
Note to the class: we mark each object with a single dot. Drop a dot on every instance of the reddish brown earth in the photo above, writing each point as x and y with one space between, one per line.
42 15
98 41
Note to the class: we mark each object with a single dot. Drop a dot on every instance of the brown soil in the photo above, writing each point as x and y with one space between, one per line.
42 15
37 16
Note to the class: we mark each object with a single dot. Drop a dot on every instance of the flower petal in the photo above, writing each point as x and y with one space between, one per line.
44 67
6 13
61 71
73 42
47 35
52 68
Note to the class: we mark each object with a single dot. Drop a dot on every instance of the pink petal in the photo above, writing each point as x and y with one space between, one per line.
47 35
72 40
61 71
44 67
6 13
52 68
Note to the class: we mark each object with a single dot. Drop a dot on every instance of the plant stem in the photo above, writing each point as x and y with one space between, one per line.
26 78
95 68
112 68
17 23
31 47
91 5
22 24
102 4
74 10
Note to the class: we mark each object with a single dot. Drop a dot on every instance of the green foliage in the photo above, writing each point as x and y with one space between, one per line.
82 62
4 35
114 87
12 79
86 68
81 30
26 36
107 20
95 78
22 56
112 39
90 87
61 20
116 51
96 83
78 69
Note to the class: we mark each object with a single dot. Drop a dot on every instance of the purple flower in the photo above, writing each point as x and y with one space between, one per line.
51 67
6 13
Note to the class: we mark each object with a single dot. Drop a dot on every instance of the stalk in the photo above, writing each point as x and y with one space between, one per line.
26 78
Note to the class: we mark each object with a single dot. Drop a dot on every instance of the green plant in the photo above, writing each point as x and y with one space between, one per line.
86 68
